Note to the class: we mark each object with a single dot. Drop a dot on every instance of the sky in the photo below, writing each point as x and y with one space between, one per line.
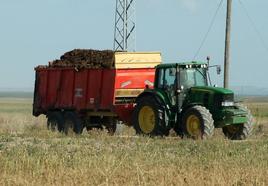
33 32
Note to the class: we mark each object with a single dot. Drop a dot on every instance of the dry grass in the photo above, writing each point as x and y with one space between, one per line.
31 155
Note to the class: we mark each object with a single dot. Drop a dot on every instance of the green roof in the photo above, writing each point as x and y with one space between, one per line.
170 65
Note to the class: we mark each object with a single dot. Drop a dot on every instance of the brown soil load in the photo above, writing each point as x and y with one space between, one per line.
86 58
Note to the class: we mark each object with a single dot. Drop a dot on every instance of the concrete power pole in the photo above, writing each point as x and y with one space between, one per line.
125 26
227 44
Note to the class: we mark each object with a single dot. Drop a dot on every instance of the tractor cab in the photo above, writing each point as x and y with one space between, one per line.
172 79
192 75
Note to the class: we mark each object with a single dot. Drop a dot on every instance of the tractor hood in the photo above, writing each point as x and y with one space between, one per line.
212 90
212 97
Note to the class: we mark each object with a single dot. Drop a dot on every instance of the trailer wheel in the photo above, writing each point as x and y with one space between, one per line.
111 125
240 131
89 128
197 123
72 124
55 121
149 118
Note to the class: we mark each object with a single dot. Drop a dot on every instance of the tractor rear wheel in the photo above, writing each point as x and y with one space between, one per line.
55 121
72 124
197 123
149 118
240 131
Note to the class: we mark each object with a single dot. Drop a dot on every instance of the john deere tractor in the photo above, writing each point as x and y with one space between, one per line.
183 99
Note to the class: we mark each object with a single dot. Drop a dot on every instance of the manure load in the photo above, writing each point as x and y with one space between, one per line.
86 58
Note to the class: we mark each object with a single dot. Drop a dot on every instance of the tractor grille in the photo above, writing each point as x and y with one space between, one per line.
228 97
221 98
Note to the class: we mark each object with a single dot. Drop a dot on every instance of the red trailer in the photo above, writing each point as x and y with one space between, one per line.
74 99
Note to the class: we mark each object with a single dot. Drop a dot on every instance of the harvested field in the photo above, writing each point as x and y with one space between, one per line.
31 155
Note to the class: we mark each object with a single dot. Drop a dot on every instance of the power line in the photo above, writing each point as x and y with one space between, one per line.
254 26
209 29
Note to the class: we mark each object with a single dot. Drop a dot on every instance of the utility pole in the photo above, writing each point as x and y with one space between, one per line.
125 26
227 44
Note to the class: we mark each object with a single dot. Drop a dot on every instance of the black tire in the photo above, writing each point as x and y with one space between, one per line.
111 125
88 128
87 123
240 131
152 124
197 123
55 121
179 130
72 123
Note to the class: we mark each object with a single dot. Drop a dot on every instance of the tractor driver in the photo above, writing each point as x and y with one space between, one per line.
186 80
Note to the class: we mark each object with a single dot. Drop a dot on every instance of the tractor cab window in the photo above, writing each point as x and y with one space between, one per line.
167 82
190 77
167 78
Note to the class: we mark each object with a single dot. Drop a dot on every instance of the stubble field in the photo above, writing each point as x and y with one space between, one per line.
32 155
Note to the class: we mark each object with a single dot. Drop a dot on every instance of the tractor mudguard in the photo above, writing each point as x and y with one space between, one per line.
151 93
159 98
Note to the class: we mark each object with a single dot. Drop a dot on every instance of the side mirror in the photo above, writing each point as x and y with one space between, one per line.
218 70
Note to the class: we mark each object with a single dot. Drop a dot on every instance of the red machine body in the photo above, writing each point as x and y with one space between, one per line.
91 91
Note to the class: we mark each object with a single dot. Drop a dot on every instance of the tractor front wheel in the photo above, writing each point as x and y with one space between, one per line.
198 123
240 131
149 117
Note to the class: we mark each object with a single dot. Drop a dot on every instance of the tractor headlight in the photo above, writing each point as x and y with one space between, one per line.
227 103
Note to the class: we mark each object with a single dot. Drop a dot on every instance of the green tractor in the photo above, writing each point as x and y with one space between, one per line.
183 99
